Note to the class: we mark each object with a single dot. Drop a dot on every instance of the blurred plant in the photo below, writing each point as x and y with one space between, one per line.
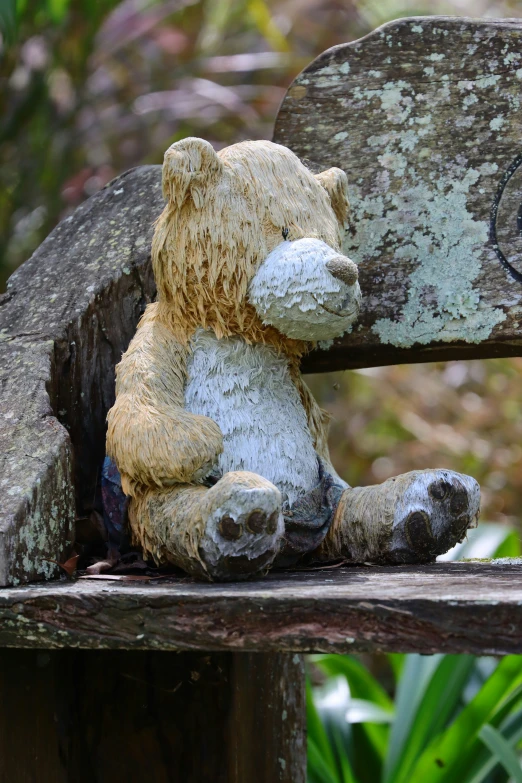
91 88
485 542
452 718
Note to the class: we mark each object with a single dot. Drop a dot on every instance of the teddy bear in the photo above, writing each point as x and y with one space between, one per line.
220 447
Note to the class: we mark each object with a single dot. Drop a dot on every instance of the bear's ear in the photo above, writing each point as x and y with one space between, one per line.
190 168
335 182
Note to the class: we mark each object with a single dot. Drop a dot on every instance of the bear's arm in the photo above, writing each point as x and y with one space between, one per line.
318 423
151 437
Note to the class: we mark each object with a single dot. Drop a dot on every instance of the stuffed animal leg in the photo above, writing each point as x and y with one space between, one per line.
407 519
164 454
231 530
411 518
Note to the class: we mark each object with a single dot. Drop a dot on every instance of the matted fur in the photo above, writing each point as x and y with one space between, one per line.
225 213
220 221
169 524
154 441
204 259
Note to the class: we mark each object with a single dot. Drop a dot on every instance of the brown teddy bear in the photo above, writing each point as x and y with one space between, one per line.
221 448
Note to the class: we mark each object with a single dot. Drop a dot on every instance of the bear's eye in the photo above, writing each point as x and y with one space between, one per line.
285 233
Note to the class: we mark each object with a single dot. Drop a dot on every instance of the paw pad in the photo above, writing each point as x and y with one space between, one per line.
434 514
230 529
418 532
256 521
440 490
271 525
459 502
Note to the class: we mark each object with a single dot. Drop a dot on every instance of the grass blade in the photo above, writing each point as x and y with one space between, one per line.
416 673
498 746
318 769
442 694
447 756
316 731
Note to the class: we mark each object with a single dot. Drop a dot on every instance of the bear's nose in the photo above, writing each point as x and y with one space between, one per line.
343 269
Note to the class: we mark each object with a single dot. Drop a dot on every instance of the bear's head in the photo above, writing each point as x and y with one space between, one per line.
249 243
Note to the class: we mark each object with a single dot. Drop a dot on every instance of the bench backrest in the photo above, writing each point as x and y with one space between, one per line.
424 116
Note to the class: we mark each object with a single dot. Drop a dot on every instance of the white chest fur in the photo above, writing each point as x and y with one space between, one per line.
248 391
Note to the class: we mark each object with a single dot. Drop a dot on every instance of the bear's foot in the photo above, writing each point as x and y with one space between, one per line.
243 528
411 518
232 530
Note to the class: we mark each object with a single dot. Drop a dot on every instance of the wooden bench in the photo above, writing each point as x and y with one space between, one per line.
171 680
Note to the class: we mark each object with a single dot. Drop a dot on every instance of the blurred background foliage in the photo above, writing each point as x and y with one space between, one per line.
90 88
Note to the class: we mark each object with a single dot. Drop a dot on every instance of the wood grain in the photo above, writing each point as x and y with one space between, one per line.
77 716
267 723
68 314
424 116
446 607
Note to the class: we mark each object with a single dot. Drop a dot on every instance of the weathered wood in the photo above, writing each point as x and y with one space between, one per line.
75 716
68 314
424 116
446 607
267 728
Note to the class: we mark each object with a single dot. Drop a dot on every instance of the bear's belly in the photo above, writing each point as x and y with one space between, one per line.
248 391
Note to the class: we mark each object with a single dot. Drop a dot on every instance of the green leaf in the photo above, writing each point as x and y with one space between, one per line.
318 769
364 711
510 546
316 731
346 771
363 685
498 746
370 739
475 761
485 762
447 756
440 699
8 20
416 673
397 662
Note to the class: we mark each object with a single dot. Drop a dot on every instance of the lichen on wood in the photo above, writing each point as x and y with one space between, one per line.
424 116
68 314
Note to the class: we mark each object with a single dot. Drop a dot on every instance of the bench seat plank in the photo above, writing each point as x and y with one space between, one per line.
469 607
